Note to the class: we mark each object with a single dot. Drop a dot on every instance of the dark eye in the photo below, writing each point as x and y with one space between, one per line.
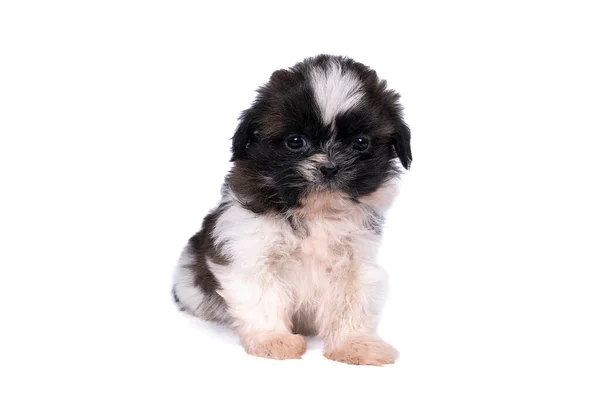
361 144
295 143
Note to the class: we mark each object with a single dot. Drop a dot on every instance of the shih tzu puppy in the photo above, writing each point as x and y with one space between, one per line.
290 251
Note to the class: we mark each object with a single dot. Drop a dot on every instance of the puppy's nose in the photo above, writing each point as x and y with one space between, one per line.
329 171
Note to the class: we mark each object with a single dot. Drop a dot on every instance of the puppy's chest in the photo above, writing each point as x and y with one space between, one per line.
322 251
326 256
327 244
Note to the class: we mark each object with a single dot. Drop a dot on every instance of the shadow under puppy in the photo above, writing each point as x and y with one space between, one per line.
291 248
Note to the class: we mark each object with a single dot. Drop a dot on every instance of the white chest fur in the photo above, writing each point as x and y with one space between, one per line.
277 271
327 236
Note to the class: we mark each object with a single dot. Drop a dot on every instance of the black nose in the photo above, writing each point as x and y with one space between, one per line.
329 171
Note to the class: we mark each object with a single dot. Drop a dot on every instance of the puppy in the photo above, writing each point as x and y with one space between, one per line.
290 251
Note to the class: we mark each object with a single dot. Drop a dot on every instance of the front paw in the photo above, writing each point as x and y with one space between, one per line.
274 345
363 350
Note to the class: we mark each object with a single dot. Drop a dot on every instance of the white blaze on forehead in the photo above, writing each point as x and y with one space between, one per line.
335 91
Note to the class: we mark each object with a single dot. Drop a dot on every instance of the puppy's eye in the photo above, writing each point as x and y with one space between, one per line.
361 144
295 143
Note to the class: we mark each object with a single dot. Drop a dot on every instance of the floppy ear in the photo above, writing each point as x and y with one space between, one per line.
402 143
243 135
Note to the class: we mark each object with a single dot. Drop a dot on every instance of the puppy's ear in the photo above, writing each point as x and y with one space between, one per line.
402 143
243 135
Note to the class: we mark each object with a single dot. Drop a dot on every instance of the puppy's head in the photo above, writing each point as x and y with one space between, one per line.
326 124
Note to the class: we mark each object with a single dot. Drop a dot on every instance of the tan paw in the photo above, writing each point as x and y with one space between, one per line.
275 345
366 350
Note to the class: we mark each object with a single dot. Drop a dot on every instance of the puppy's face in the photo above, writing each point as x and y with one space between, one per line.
327 124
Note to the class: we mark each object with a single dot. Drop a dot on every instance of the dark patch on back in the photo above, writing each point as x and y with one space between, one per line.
201 246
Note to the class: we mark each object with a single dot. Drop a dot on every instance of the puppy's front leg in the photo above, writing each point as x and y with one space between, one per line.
260 307
349 318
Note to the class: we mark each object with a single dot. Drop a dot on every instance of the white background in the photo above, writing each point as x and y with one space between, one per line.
115 120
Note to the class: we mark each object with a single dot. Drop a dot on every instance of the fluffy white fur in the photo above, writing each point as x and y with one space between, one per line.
335 91
328 275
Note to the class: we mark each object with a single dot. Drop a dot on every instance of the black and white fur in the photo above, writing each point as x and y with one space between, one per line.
291 248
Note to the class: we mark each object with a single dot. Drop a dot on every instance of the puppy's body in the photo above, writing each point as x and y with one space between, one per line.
291 249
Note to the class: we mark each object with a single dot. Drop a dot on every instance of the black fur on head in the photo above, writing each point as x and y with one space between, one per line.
327 123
